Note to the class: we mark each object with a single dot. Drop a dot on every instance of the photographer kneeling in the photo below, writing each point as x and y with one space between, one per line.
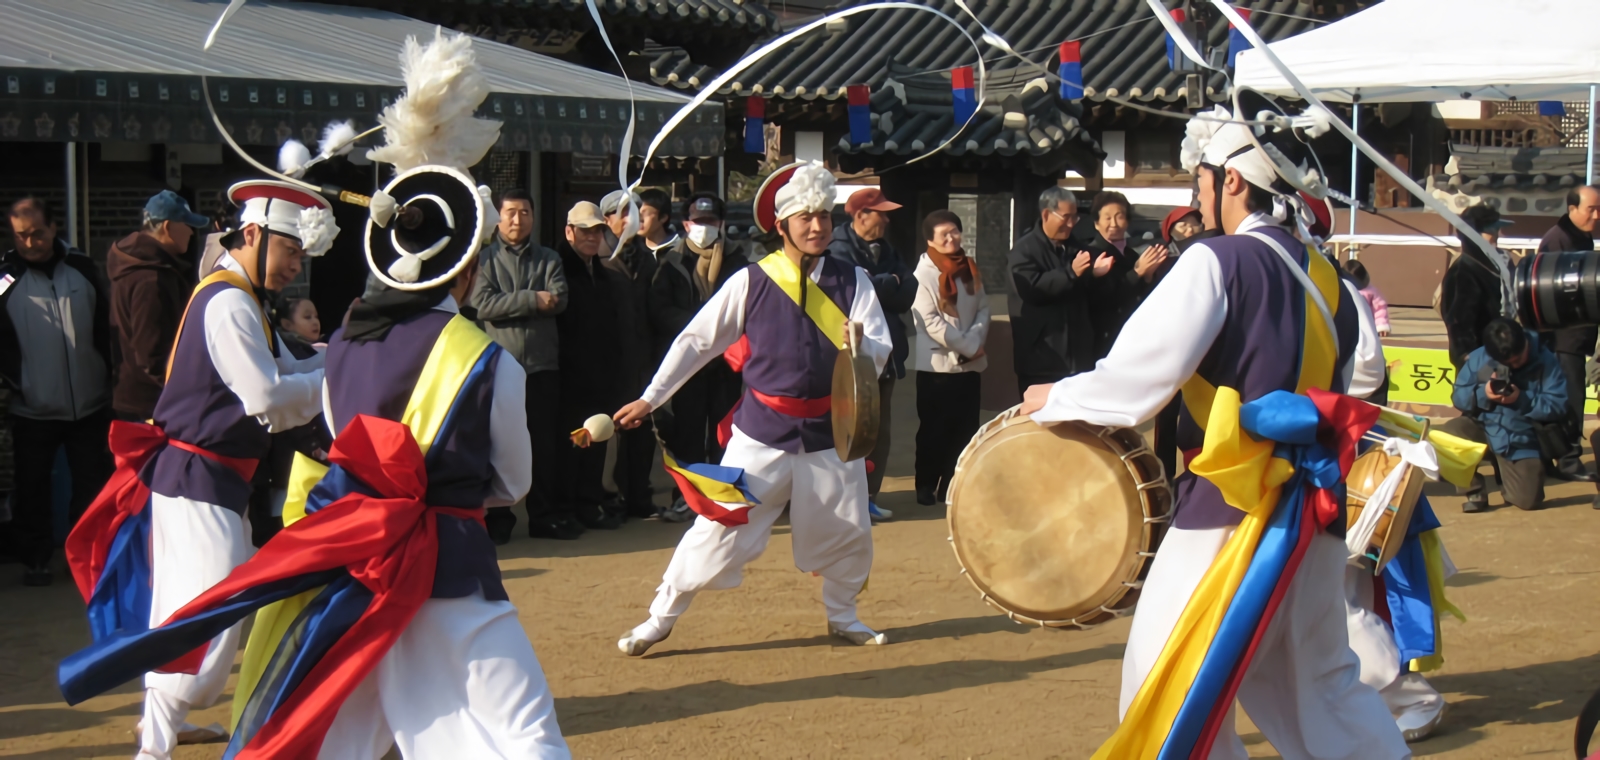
1512 396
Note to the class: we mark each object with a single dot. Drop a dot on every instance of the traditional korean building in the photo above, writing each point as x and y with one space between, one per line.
1027 136
96 129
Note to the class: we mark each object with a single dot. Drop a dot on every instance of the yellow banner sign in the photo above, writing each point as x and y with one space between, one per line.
1426 376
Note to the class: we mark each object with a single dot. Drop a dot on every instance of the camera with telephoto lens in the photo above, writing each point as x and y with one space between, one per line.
1556 290
1498 378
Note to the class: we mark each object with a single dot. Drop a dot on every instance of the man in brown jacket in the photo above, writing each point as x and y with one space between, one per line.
150 284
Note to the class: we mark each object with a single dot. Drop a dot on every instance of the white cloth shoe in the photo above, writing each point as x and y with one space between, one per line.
643 636
858 634
1416 725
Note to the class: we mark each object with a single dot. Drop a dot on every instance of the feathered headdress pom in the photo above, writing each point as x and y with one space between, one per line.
433 122
293 156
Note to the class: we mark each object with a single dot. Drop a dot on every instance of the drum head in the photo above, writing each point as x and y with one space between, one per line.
1047 521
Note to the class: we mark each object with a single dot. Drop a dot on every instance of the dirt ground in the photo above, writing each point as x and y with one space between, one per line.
749 672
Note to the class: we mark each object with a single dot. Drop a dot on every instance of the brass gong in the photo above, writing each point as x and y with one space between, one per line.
855 400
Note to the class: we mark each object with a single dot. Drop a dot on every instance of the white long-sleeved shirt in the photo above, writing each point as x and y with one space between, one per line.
1367 365
945 343
1159 348
720 324
509 448
282 392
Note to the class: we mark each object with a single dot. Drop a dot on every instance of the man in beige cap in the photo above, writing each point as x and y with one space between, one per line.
591 335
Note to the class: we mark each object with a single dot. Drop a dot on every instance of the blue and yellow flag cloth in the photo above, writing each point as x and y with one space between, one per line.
1281 460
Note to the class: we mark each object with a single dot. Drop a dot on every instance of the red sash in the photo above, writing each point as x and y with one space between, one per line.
389 543
133 444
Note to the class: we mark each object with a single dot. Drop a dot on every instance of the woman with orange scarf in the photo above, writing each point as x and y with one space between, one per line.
951 313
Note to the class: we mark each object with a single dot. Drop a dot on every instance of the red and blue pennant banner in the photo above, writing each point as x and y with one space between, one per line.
1071 70
860 100
1179 16
1236 40
755 121
965 96
1552 108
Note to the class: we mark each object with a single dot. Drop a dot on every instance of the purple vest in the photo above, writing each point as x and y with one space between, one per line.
196 407
1257 352
790 357
376 378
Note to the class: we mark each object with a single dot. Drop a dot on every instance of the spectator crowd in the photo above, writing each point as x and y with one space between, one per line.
79 348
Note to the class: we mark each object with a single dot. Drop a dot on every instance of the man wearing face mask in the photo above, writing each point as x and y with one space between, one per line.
693 269
863 243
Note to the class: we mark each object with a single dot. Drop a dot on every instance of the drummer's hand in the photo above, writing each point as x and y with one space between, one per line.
630 416
1036 396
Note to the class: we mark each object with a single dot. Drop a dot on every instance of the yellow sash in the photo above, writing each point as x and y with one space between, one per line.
1318 357
221 275
1251 480
824 313
454 354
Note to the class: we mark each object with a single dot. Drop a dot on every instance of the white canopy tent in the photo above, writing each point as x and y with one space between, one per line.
1436 50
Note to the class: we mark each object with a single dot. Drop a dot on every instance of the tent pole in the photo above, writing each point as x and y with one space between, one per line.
1589 176
1355 158
72 194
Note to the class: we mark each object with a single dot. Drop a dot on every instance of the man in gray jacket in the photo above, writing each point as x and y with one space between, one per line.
55 351
519 291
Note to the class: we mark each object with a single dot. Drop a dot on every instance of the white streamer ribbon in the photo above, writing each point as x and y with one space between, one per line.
710 90
1508 298
1418 454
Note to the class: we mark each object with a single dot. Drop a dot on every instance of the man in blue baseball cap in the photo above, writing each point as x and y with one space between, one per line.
151 276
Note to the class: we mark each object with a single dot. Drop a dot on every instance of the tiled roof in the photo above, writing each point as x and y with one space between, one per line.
751 14
909 120
1516 180
1124 48
1472 168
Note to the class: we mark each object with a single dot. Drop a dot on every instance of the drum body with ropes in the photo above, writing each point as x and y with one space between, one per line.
1056 525
1366 473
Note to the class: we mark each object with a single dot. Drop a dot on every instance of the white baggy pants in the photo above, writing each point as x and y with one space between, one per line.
193 546
461 681
1410 698
830 527
1303 688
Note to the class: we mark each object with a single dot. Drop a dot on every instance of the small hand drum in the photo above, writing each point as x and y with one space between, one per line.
1056 525
1366 473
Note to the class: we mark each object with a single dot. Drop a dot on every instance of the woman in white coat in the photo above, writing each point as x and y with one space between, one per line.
951 314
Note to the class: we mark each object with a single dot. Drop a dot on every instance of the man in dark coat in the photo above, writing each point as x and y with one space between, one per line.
636 354
1574 232
591 330
862 243
150 284
56 356
1470 296
1052 277
689 272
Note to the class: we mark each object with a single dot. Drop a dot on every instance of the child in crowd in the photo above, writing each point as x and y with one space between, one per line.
301 331
1380 307
298 319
